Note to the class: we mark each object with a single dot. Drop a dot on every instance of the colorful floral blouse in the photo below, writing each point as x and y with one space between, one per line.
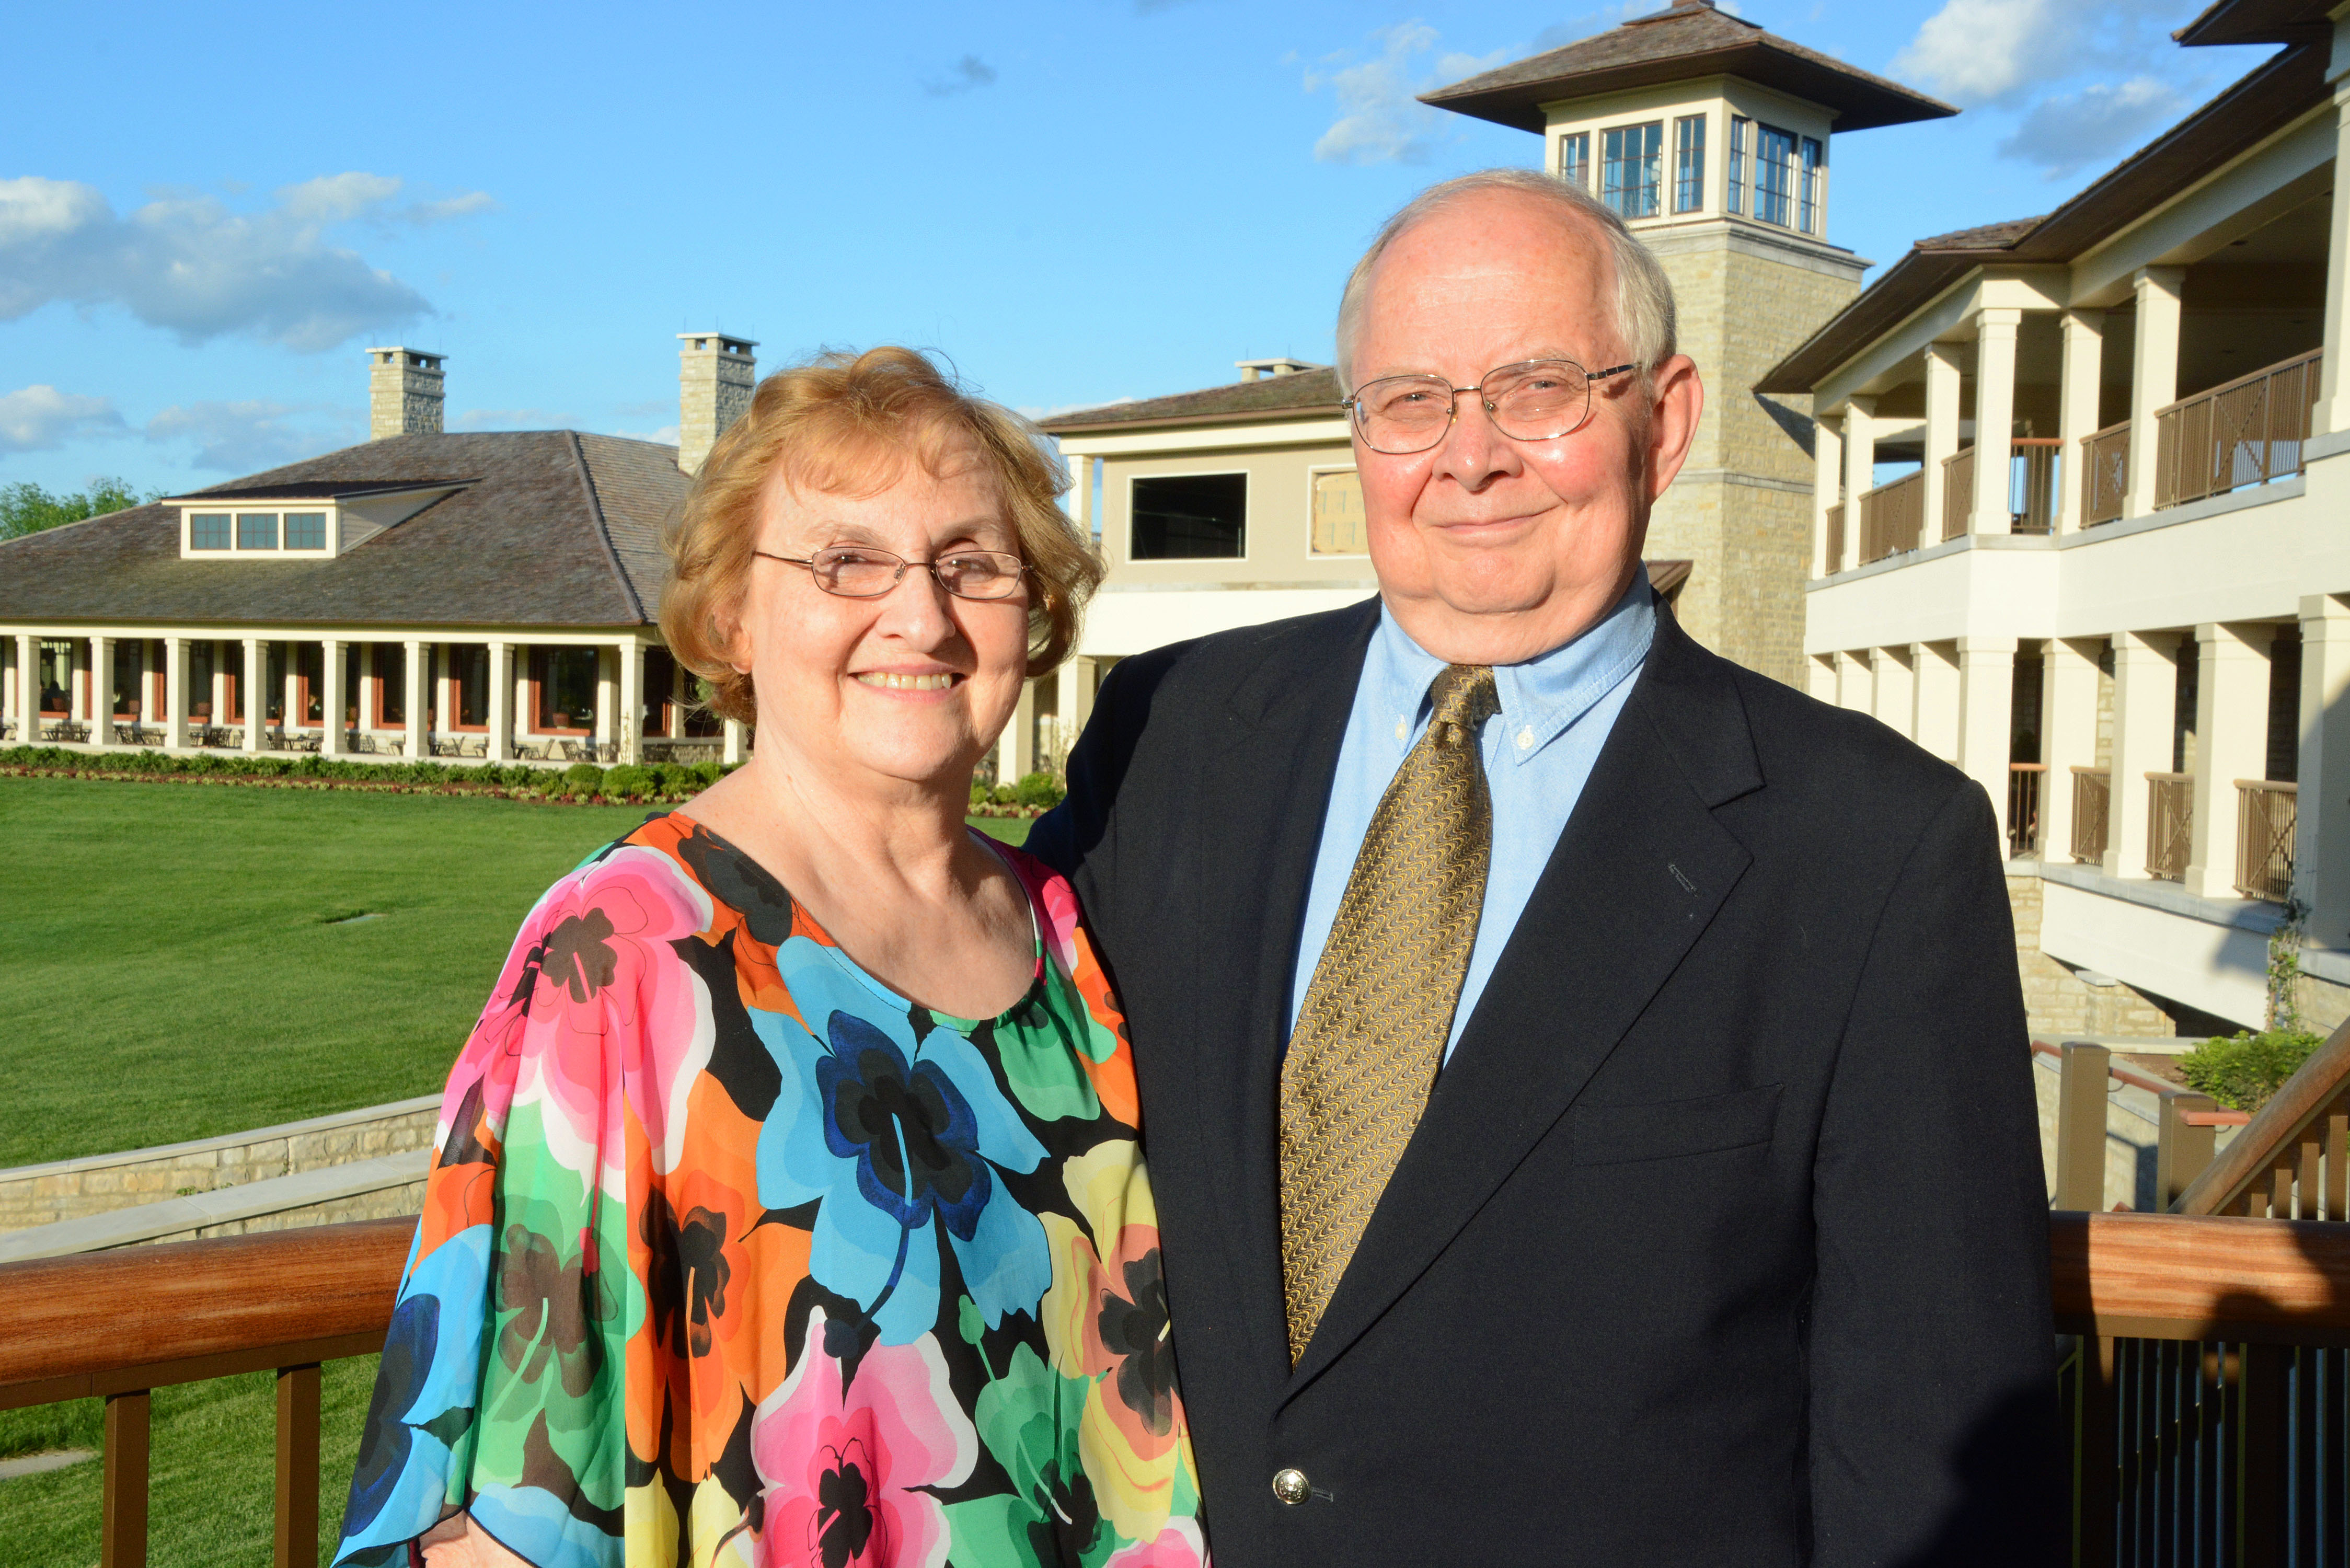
732 1258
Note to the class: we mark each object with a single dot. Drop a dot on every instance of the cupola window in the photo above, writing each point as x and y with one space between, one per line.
1632 172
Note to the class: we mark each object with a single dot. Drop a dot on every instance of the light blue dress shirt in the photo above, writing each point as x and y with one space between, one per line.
1557 713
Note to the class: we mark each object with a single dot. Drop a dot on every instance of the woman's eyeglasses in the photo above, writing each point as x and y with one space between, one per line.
861 572
1538 399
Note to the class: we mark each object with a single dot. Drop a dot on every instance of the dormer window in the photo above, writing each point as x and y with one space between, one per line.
1632 168
305 530
287 522
256 530
208 530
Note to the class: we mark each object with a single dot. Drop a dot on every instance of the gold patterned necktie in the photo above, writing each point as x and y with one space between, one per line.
1372 1030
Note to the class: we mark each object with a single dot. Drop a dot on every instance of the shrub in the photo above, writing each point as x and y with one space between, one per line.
629 782
1040 790
583 779
2242 1071
980 793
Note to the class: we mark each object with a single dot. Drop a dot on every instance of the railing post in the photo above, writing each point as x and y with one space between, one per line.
2263 1484
298 1467
2096 1458
2182 1150
2081 1128
122 1532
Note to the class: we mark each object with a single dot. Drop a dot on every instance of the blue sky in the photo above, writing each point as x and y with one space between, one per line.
206 213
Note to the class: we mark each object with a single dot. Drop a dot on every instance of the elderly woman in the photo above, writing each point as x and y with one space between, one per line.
788 1207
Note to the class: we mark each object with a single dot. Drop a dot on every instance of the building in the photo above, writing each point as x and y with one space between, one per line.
425 594
2110 583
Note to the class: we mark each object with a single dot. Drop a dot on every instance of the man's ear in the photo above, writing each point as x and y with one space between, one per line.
1672 423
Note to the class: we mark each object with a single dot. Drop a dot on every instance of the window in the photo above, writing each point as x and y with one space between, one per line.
256 530
305 530
56 660
1338 522
203 657
208 530
1191 517
310 683
1774 176
391 685
660 688
469 671
130 675
564 679
1689 164
1629 178
1575 159
1734 195
1808 208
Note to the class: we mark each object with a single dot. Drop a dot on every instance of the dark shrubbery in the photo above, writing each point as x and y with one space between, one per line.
584 781
2242 1071
1042 791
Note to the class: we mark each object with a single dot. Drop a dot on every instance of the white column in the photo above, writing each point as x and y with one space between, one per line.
1822 667
2146 703
2154 378
1941 431
1895 699
255 671
444 695
29 690
1827 488
2231 742
175 691
608 691
1934 675
1852 683
731 751
1859 470
290 706
2333 409
1987 711
1015 750
332 664
1995 329
1081 495
631 653
2077 406
674 728
221 680
2321 864
1074 696
502 702
2068 736
415 695
101 691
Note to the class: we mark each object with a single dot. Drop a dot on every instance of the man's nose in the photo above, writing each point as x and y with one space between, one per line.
1475 450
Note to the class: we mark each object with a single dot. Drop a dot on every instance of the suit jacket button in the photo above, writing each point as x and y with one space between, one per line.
1290 1486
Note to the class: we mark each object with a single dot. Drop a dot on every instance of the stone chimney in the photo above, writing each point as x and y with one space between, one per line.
1251 369
715 374
404 392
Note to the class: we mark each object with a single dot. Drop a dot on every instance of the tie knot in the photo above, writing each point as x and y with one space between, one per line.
1464 699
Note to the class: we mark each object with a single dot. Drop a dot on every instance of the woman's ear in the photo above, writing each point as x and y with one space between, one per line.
726 637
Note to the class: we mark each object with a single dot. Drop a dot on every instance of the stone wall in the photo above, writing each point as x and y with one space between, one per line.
2059 1004
387 1186
76 1189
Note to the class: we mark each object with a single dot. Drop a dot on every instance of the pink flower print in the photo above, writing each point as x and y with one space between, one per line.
1180 1545
841 1465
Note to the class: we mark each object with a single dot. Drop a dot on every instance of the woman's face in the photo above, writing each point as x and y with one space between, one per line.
912 686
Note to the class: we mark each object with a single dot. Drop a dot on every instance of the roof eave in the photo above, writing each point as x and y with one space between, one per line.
1859 104
1079 426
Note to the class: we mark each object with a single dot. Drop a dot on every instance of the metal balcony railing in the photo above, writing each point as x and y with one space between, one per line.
2104 473
1892 517
2268 815
2244 431
2091 809
2169 825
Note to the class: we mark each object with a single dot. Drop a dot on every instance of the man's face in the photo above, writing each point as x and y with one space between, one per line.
1490 550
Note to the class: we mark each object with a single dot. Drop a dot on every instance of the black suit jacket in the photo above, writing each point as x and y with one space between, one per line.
1722 1239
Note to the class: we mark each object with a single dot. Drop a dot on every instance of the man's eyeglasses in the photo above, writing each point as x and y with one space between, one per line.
1537 400
861 571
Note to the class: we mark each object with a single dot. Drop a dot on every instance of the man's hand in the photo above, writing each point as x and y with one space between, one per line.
458 1543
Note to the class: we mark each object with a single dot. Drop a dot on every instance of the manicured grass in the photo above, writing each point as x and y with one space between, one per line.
213 1450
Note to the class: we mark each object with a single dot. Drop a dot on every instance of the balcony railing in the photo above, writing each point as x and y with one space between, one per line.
2104 473
2092 808
2024 786
1892 517
1958 492
2169 825
2032 484
2268 814
1836 539
2244 431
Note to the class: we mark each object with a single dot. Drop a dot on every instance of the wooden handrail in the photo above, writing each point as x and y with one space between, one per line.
2298 1102
2170 1276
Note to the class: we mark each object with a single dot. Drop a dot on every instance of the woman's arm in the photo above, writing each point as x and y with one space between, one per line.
458 1543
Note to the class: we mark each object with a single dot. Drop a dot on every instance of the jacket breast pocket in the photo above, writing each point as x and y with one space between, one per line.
1615 1135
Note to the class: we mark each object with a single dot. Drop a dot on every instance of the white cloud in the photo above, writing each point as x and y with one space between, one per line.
514 420
42 419
666 435
247 436
1381 118
2064 132
1976 52
189 264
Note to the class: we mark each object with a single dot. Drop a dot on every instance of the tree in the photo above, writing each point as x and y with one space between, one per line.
26 508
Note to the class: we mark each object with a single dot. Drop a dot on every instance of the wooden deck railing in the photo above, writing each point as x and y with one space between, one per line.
2293 1161
2092 808
2169 825
2024 782
2268 816
1958 492
2031 498
2244 431
1835 540
2104 473
1893 517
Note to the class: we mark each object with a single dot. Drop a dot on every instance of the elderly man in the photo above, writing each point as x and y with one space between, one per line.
1586 1082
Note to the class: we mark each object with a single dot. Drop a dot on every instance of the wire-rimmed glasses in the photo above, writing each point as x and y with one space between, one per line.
862 572
1534 399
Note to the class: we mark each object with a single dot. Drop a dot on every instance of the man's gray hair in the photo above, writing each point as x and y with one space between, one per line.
1644 295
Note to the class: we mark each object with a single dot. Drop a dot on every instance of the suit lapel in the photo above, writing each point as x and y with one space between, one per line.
1636 878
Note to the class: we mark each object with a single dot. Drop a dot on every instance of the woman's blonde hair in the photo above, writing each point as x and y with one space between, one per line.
847 424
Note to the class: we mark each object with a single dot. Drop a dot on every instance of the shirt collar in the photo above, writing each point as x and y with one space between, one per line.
1540 699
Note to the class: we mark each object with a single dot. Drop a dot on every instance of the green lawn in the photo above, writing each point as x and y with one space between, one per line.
171 966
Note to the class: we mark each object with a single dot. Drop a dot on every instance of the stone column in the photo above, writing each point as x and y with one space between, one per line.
29 690
631 653
176 692
2321 864
335 653
415 695
1987 714
731 752
2231 742
1895 699
256 668
2068 736
1827 488
2076 408
2333 409
1942 395
2154 378
1995 329
502 702
1859 470
1934 675
101 691
2146 703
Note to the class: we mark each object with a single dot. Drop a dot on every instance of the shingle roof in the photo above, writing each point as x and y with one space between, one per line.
2259 21
1300 392
549 528
1691 39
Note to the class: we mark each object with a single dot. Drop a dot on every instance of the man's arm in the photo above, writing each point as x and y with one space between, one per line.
1932 1360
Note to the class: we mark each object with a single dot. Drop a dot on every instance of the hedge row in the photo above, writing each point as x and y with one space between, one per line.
652 782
